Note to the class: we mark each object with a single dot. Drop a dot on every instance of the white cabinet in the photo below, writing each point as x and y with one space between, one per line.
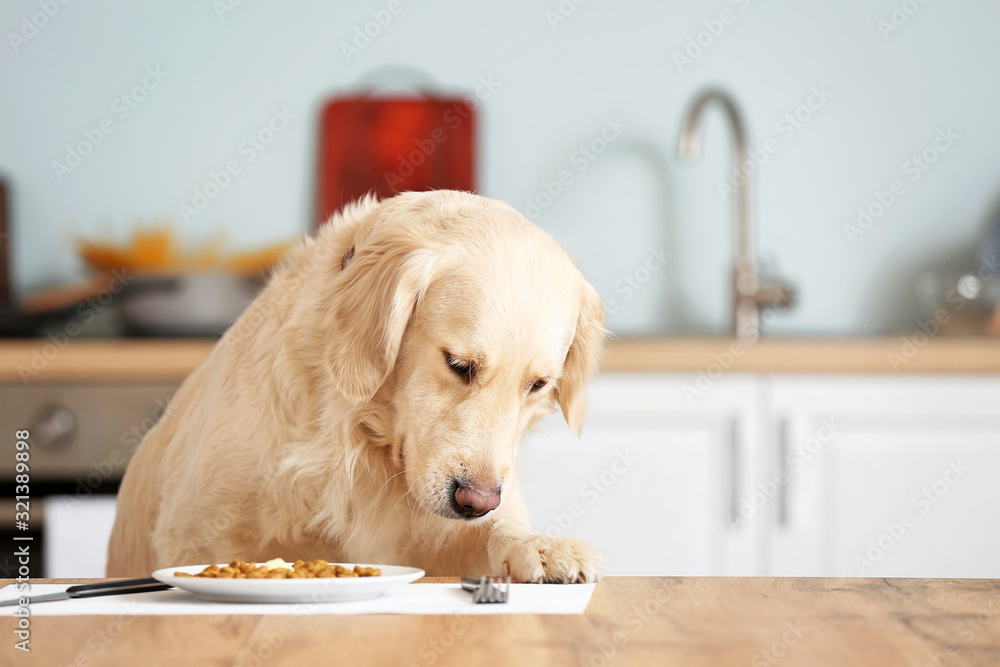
837 475
77 532
905 485
652 481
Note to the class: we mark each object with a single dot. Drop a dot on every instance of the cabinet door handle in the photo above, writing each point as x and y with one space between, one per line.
785 473
734 472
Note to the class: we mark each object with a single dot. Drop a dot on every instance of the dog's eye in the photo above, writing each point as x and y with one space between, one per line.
465 370
538 385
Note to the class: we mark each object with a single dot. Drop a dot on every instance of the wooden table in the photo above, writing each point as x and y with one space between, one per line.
630 621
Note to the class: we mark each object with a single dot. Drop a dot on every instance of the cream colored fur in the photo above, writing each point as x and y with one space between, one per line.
326 423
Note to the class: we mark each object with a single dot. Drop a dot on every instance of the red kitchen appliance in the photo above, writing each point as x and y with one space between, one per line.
5 269
372 142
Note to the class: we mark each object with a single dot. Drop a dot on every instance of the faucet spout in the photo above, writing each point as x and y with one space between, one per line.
749 297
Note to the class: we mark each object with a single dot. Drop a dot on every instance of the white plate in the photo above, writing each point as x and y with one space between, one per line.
339 589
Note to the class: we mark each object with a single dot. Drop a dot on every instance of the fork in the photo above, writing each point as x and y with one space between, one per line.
487 590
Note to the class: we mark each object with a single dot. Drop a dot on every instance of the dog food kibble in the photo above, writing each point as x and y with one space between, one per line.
279 569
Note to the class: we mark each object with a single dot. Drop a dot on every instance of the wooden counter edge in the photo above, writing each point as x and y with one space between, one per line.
155 360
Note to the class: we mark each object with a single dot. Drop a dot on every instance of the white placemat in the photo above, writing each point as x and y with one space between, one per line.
409 599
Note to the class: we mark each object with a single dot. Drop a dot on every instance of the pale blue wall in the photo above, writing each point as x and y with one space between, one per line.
890 95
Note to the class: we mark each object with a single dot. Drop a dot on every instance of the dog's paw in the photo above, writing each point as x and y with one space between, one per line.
556 560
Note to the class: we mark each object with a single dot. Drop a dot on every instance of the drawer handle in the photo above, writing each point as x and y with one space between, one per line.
734 473
54 426
785 473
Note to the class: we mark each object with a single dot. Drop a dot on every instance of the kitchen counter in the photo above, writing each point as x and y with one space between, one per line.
630 621
97 360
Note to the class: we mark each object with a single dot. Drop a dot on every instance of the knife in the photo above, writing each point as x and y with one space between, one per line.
122 587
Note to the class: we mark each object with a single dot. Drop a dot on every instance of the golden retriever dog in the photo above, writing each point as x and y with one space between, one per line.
369 404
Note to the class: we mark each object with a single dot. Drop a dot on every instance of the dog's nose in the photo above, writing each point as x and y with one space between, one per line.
472 500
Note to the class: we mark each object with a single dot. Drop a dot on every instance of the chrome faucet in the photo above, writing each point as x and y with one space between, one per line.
750 297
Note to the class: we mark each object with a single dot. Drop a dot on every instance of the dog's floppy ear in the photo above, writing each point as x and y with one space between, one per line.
582 359
375 296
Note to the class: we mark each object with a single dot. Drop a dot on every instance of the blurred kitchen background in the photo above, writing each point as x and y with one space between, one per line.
188 145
